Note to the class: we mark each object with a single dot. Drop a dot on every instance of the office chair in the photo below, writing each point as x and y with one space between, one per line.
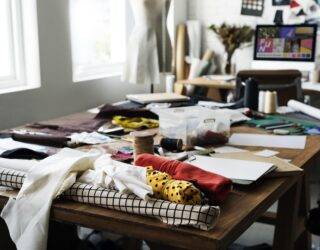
287 83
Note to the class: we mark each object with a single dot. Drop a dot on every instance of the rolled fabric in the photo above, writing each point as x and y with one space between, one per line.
166 188
304 108
46 140
215 187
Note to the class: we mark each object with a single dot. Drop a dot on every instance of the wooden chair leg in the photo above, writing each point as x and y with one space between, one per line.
62 236
288 206
131 243
304 241
156 246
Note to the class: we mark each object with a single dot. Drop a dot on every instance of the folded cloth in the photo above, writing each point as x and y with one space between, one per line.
90 138
87 126
166 188
17 164
202 217
23 153
215 187
108 111
126 178
76 123
27 216
135 122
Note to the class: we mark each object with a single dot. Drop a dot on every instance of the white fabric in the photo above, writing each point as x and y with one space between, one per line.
19 165
9 143
90 138
142 63
27 217
126 178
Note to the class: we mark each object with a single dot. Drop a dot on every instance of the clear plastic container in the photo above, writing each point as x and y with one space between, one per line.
180 123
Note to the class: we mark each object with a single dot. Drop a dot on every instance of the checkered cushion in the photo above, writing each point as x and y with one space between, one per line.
202 217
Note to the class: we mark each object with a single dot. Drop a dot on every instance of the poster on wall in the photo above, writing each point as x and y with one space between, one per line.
252 7
280 2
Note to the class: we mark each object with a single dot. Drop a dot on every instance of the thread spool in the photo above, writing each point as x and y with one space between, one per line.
170 79
142 143
171 144
270 102
251 94
262 98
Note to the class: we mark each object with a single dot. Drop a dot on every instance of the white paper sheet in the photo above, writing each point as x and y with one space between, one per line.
273 141
266 153
213 105
229 149
233 169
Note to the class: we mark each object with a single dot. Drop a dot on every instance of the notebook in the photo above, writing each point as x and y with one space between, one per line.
156 97
239 171
283 167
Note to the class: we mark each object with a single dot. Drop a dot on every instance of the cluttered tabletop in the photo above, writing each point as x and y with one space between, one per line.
228 166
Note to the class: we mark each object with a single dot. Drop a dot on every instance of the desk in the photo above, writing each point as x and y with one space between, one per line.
243 207
204 82
223 85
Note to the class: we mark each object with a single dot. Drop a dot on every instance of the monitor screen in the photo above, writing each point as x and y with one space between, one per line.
285 42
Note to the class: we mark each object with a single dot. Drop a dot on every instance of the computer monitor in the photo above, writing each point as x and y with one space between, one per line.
285 42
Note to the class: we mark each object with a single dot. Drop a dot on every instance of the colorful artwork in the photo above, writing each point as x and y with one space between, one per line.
285 42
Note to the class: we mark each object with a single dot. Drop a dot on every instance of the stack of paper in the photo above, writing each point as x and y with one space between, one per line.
239 171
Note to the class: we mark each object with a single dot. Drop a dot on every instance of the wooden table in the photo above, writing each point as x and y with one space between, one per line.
231 85
205 82
242 208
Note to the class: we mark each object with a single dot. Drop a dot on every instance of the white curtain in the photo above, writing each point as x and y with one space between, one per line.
142 64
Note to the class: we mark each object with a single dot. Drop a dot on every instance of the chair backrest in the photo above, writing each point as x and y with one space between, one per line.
287 83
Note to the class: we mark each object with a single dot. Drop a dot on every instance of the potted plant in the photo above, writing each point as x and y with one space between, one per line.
232 37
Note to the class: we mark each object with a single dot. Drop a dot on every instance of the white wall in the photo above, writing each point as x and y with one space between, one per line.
219 11
58 95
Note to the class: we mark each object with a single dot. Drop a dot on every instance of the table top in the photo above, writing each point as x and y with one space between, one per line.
242 207
205 82
229 85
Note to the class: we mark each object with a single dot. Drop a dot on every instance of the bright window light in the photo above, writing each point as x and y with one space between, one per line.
19 60
98 34
6 58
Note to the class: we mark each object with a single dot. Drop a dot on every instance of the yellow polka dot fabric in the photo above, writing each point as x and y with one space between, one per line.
135 122
166 188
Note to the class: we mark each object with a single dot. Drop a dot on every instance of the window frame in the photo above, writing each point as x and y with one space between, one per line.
24 47
114 69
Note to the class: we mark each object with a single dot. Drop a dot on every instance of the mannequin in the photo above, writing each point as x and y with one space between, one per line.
142 64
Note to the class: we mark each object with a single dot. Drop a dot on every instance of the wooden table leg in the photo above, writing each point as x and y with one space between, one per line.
303 239
288 206
293 209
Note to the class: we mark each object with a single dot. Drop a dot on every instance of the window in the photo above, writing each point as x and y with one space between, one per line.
19 60
98 35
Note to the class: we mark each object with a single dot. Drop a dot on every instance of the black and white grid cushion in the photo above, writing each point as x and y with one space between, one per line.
202 217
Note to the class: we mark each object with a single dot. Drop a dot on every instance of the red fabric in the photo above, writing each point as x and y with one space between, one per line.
216 187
